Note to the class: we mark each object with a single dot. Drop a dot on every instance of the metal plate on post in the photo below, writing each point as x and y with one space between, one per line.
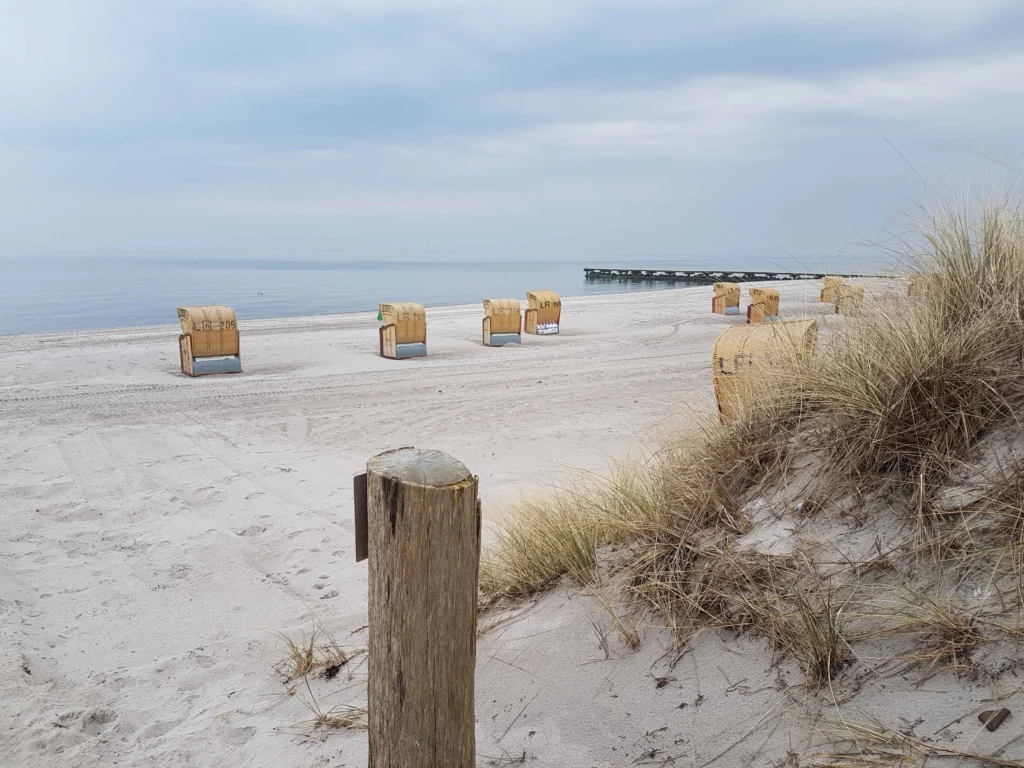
479 517
362 526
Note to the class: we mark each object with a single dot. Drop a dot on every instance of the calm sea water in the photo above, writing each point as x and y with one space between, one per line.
54 294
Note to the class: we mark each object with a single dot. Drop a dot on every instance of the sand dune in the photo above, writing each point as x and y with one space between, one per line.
159 531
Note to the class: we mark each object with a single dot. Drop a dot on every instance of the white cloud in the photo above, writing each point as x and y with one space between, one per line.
496 20
792 10
920 11
533 194
713 114
334 203
57 41
535 17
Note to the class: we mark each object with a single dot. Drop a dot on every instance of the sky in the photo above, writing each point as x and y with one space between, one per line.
632 129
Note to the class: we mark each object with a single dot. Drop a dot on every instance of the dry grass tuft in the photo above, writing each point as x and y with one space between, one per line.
319 656
558 533
622 623
872 744
348 718
343 716
715 586
813 632
949 634
320 653
1004 505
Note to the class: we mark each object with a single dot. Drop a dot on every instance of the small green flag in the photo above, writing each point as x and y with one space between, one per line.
379 315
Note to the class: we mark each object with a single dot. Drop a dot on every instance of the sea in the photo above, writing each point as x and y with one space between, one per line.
44 294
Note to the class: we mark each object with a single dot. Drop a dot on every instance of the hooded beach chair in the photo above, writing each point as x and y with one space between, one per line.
403 330
744 353
764 305
503 323
850 299
727 299
543 312
209 340
830 288
921 285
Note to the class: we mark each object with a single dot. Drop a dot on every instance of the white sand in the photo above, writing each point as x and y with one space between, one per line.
158 532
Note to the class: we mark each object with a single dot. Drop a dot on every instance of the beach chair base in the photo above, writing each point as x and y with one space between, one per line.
755 314
530 324
720 305
402 351
204 366
501 339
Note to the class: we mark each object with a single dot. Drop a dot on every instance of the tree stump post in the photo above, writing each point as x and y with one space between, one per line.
424 553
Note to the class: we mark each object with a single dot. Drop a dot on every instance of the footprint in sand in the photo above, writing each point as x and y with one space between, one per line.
252 530
97 721
179 571
156 730
92 722
239 736
67 719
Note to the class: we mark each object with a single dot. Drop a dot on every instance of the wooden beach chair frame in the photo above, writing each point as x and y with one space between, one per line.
212 332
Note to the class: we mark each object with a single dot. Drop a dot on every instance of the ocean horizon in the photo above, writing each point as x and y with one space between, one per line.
66 294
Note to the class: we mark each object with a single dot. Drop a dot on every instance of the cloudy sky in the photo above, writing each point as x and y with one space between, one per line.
529 128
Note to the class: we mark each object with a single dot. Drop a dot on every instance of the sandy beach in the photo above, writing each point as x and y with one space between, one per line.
160 534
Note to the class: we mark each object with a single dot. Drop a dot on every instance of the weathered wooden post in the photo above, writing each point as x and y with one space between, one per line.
423 526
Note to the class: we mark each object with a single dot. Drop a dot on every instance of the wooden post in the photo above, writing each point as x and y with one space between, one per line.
424 552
